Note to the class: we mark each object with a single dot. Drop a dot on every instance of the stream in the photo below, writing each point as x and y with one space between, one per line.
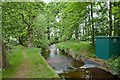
68 68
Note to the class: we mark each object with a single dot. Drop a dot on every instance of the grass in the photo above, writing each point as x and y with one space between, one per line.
80 47
0 73
15 60
40 68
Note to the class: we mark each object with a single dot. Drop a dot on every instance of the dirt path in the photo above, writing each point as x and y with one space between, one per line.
25 69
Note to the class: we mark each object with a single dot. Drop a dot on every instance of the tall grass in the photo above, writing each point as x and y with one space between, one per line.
15 59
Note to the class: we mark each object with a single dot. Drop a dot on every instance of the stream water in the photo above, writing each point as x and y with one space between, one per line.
67 67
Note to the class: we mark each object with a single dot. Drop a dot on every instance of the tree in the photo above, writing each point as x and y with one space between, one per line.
92 24
5 63
110 18
72 15
19 18
115 11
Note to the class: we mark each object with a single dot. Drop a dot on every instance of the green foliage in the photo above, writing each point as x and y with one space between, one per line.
15 60
39 37
114 65
17 17
64 20
71 16
116 13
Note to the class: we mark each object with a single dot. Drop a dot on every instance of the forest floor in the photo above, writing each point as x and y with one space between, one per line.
28 63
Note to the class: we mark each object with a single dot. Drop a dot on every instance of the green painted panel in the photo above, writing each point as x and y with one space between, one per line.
102 48
119 47
107 46
113 47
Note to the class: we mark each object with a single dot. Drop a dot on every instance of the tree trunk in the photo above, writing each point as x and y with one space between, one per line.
110 18
92 24
29 25
48 32
85 29
5 63
77 33
89 25
114 23
29 36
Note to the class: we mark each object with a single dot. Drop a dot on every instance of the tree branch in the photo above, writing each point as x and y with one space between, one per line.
23 18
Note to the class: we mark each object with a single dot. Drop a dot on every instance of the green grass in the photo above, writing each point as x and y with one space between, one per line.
0 73
80 47
15 59
40 68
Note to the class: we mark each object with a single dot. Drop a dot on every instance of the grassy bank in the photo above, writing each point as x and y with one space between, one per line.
15 60
38 67
81 47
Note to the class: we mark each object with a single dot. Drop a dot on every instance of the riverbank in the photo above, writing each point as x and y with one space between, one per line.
27 63
81 50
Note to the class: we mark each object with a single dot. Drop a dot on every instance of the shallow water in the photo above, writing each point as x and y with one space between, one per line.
66 67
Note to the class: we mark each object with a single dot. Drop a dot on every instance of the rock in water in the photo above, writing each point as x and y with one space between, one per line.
87 66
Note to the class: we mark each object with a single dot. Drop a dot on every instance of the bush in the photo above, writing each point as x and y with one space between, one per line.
114 65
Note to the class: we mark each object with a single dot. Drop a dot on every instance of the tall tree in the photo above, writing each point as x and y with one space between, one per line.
92 23
110 18
24 15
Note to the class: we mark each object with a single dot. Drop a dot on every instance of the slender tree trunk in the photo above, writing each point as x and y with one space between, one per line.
5 63
29 25
114 23
114 26
89 25
92 24
48 32
110 18
29 36
85 28
77 33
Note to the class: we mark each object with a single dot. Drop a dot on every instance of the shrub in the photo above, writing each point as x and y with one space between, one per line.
114 65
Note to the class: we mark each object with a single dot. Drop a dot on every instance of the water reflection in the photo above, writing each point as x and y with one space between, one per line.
67 67
60 61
